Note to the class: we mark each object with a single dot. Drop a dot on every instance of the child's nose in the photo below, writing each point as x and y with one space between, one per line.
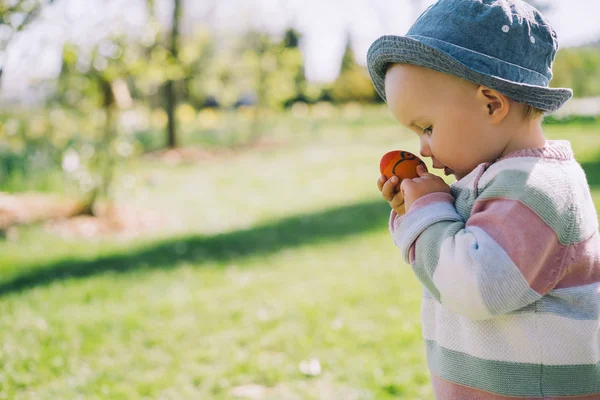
424 147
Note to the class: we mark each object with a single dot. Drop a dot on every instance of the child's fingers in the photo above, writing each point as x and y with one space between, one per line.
397 201
422 169
380 182
406 185
423 174
388 190
400 210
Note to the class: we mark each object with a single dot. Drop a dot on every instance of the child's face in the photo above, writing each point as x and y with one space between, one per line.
447 113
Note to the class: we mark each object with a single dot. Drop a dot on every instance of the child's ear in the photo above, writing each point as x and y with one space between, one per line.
494 104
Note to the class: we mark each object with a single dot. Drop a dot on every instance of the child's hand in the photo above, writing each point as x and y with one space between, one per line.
426 183
387 187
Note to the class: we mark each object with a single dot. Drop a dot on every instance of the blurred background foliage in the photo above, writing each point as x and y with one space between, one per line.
128 96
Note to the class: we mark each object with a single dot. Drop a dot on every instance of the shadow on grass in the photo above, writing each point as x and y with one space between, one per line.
329 225
592 171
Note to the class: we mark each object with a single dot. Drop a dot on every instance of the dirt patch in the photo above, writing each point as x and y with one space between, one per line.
27 208
108 221
69 218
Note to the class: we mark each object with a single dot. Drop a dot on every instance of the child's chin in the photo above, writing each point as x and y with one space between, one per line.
448 172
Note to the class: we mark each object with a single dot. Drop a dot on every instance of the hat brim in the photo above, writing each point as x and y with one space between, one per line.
401 49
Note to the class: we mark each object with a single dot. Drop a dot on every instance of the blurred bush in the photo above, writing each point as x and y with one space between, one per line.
579 69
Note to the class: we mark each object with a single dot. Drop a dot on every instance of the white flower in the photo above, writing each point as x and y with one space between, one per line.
70 161
310 367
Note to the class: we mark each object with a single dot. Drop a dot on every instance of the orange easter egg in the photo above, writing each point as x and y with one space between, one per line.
401 164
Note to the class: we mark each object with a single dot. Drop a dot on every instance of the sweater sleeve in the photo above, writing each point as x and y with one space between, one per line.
504 257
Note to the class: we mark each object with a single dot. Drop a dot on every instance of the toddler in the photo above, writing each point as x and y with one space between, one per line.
509 254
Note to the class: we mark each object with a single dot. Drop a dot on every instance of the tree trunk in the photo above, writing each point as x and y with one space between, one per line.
105 156
109 136
170 95
170 106
256 129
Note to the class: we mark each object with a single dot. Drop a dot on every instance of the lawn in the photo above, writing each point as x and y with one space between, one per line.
273 278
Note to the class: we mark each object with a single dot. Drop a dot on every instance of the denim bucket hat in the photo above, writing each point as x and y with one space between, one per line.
506 45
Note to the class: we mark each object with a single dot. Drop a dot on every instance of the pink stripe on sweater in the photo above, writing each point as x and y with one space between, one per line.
445 390
534 247
530 243
582 263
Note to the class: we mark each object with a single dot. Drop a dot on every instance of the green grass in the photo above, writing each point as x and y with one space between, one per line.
269 258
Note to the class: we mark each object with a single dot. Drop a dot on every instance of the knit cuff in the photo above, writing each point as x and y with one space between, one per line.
424 212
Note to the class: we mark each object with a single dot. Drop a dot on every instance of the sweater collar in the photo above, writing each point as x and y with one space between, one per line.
554 150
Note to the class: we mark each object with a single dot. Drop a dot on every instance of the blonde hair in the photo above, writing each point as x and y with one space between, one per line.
533 112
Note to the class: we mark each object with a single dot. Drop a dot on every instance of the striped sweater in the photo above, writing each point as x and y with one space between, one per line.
510 264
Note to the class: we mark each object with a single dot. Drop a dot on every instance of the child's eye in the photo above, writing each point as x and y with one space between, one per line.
428 131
